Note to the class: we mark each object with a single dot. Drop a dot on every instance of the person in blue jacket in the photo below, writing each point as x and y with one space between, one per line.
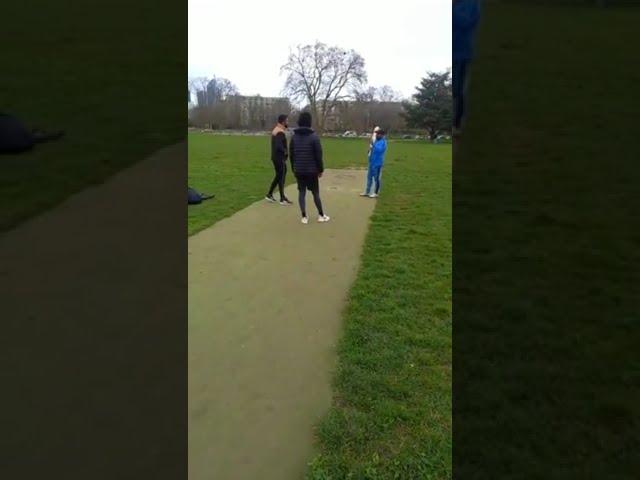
466 14
376 161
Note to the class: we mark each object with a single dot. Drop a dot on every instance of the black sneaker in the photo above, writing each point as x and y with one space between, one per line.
269 198
286 201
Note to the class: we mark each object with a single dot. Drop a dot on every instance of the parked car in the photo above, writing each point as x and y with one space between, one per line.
349 134
442 138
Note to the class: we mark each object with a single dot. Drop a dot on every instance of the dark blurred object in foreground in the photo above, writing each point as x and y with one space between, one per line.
15 137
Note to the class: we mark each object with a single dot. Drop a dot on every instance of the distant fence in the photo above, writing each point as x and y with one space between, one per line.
405 135
228 132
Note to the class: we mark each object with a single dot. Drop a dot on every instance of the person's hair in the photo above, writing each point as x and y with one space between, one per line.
381 132
304 120
282 118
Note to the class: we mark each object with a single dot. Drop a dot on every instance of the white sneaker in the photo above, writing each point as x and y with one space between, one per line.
324 218
373 195
305 220
364 194
270 199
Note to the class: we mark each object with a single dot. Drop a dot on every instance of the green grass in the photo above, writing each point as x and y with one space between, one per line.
238 170
100 70
546 283
391 414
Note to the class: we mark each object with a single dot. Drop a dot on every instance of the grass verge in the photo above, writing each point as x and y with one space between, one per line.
238 170
391 415
82 70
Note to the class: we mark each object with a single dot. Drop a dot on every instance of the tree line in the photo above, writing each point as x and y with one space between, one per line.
331 83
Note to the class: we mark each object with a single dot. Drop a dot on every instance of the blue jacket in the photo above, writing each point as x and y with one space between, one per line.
466 14
376 157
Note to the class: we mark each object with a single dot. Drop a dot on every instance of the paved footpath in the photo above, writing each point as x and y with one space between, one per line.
266 296
90 303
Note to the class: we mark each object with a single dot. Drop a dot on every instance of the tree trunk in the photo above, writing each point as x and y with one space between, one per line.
320 120
432 134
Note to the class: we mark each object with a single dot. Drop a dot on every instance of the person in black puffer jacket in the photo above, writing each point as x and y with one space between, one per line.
305 153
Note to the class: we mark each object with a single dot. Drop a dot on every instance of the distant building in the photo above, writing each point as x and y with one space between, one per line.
213 92
363 116
201 98
259 112
237 112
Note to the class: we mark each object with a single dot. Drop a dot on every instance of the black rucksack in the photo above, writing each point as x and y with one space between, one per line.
194 197
14 136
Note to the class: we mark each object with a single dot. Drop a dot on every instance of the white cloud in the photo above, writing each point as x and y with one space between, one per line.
247 41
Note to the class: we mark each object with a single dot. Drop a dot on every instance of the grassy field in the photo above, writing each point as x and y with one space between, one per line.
238 170
391 415
546 283
98 73
392 410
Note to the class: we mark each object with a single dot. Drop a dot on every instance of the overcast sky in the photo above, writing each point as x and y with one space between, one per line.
247 41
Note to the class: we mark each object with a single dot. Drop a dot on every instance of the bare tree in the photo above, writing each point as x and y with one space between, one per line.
381 94
210 90
198 84
218 89
387 94
323 76
366 95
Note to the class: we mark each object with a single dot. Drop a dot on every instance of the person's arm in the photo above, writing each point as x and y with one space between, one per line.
380 147
371 144
317 150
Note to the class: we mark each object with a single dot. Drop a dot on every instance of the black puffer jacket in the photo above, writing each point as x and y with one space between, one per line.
305 152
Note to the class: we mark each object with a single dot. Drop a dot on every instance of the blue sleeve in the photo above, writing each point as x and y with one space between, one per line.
466 14
379 148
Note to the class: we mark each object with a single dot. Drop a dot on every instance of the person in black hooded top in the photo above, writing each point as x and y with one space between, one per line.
305 153
279 159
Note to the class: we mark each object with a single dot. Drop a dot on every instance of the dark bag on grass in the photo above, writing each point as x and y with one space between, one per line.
14 136
195 198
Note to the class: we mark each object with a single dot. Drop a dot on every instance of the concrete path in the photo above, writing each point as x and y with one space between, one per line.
93 344
266 295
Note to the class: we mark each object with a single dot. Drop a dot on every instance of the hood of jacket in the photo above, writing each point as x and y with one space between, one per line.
303 131
278 129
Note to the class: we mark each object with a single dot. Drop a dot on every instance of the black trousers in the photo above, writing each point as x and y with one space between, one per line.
280 167
308 182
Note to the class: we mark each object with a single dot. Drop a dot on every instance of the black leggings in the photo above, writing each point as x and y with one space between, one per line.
281 173
309 182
